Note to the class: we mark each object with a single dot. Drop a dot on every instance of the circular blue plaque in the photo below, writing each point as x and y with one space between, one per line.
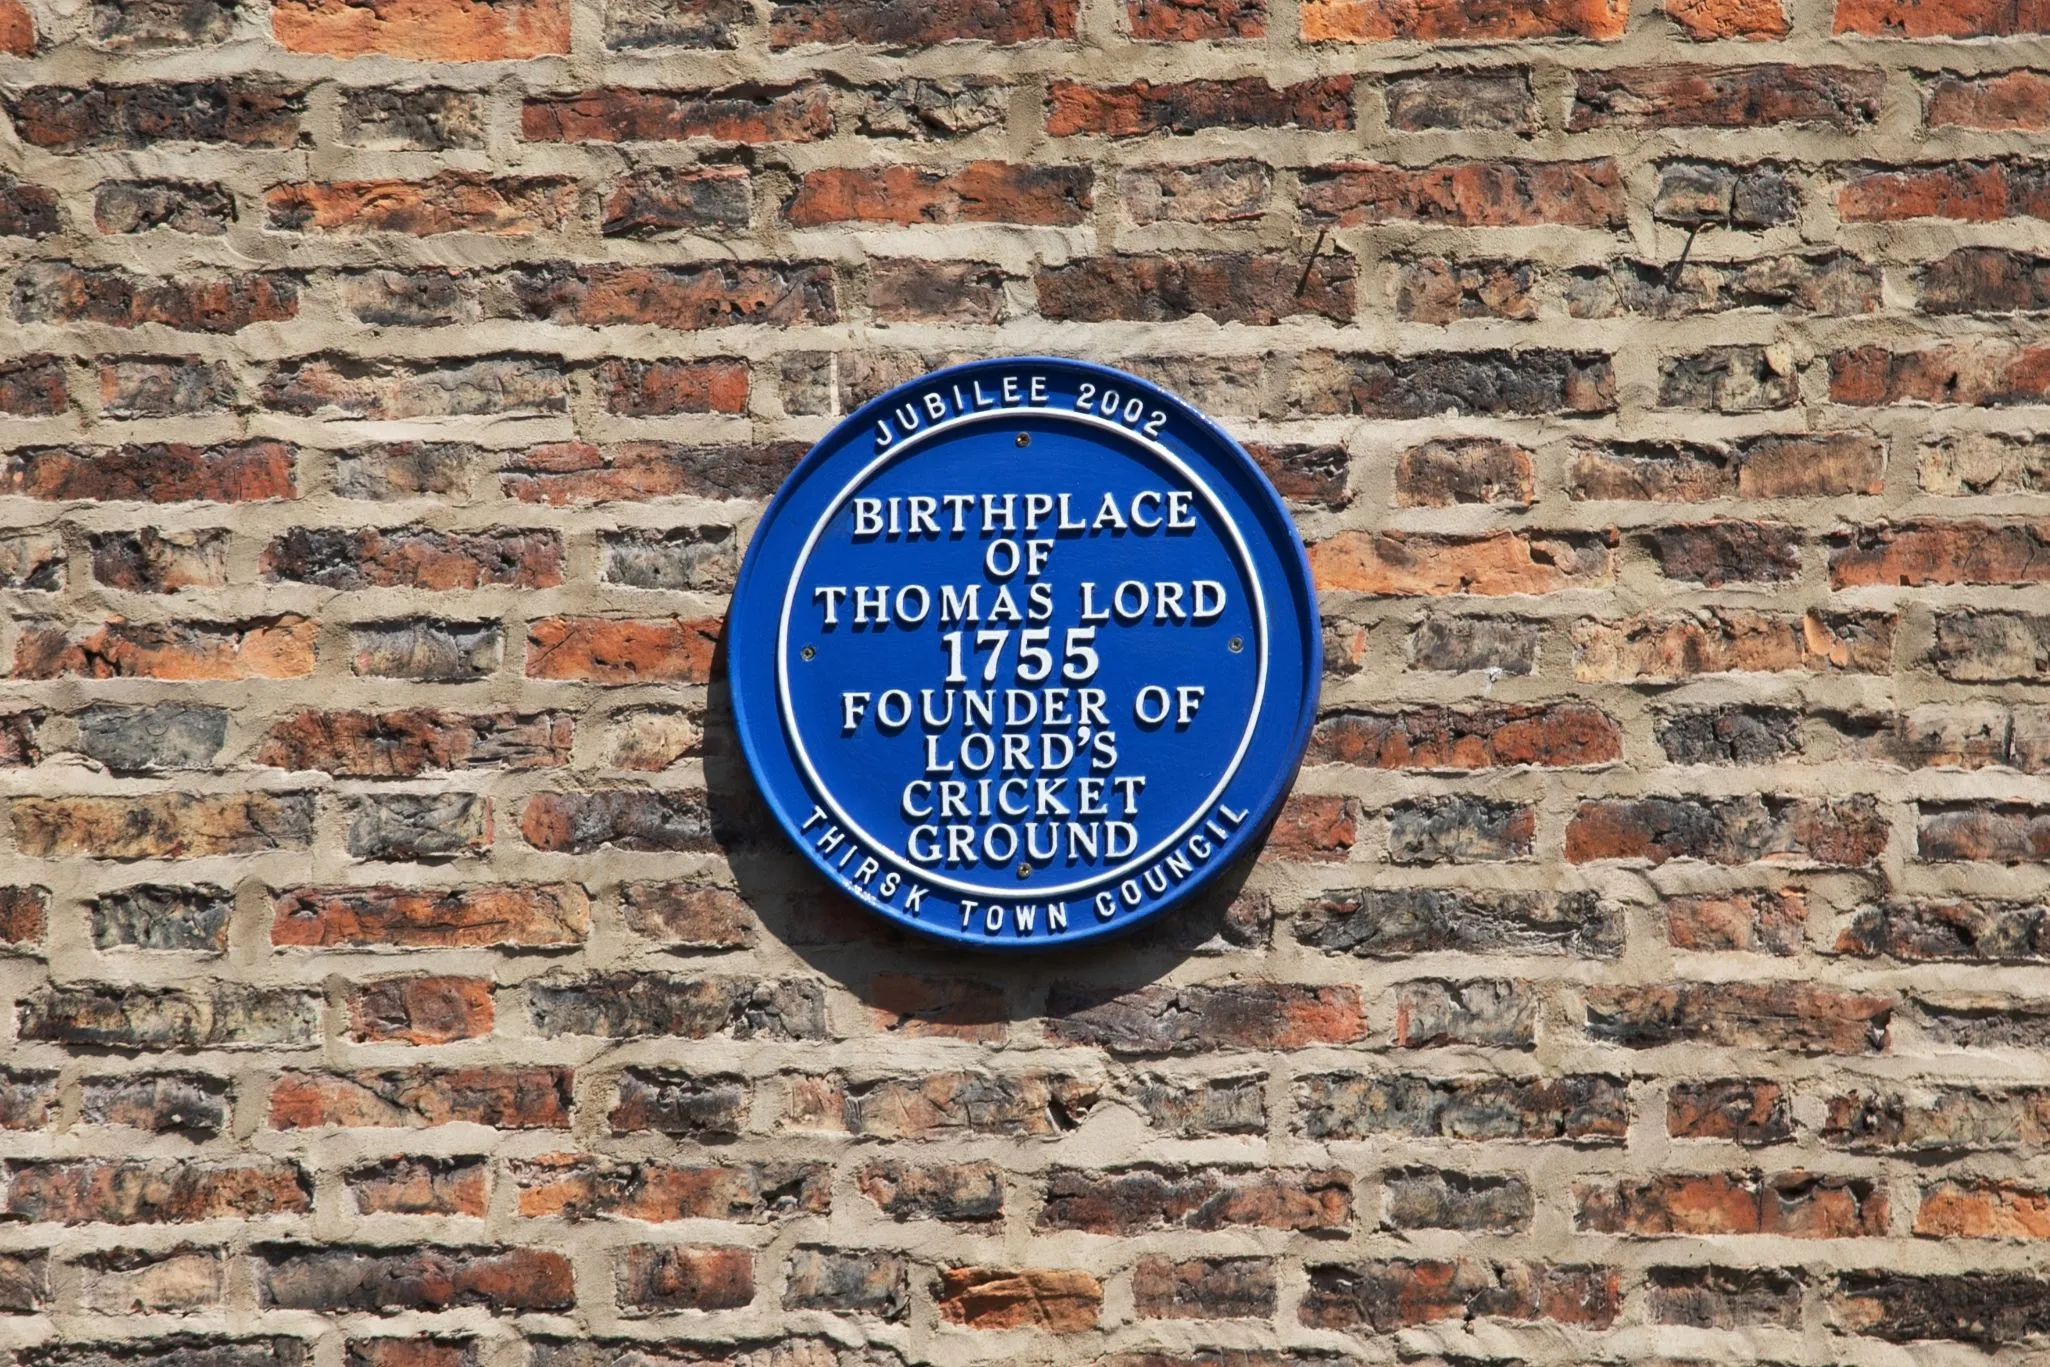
1024 653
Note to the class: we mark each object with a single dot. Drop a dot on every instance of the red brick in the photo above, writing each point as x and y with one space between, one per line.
664 388
919 23
1969 191
1477 194
513 914
568 473
685 914
158 472
980 192
57 291
912 1006
610 650
687 297
1847 832
1193 21
1981 1208
1204 1288
1562 734
428 30
1664 646
746 114
667 1278
1939 18
17 30
666 199
336 386
384 1279
1055 1300
1129 111
574 1186
1402 564
2008 100
155 1191
1795 1016
415 741
1768 921
1930 552
1385 1296
1791 1205
1313 828
505 1098
1182 1020
414 558
419 1009
277 648
1739 1110
1846 98
1980 373
913 291
452 202
419 1186
1037 1105
33 387
1451 21
1709 20
24 915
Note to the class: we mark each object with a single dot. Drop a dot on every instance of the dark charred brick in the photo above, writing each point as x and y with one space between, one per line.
1021 1105
1681 96
1425 1198
627 819
928 107
416 826
505 1098
1325 384
1439 474
431 119
149 916
654 1279
253 114
904 23
164 387
1491 1013
864 1282
1495 100
690 1105
1135 1200
1229 287
140 206
1562 735
1398 922
1847 832
413 741
426 649
24 916
1984 1308
1459 830
638 25
960 1193
576 472
914 291
1754 197
33 561
628 1005
1204 1288
148 739
1457 645
1382 1297
676 558
1580 1108
117 1016
189 1104
28 210
1725 1297
1194 1107
1733 733
1940 929
386 1280
56 291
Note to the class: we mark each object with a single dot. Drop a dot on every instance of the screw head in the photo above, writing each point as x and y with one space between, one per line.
1236 644
1024 870
808 653
1024 439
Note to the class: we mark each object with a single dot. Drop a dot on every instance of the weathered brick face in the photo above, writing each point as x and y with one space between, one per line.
397 970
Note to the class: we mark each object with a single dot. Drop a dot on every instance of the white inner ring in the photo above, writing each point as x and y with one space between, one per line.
825 795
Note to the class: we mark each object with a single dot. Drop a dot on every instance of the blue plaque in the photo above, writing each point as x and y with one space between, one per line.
1024 653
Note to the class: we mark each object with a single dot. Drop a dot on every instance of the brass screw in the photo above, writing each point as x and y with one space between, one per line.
809 653
1235 645
1024 439
1024 870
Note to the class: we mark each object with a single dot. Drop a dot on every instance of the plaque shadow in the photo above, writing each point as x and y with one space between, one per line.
941 984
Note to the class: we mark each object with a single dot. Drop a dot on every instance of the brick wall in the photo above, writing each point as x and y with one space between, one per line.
1648 964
